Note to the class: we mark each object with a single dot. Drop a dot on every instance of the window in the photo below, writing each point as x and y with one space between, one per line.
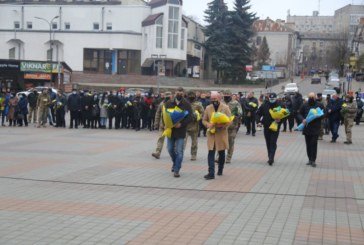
173 24
159 32
12 53
49 54
67 26
29 25
96 26
321 44
183 39
54 25
109 26
16 25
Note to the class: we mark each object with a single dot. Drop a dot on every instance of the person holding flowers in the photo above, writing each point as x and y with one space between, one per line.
180 109
271 133
311 114
216 119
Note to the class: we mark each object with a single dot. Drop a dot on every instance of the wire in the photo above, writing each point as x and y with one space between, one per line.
179 189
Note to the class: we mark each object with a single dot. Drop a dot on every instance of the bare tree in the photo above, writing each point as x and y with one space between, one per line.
339 53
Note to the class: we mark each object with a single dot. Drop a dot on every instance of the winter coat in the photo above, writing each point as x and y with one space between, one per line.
74 102
220 139
335 107
23 106
314 127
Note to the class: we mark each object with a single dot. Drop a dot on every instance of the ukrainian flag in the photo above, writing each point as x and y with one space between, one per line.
171 117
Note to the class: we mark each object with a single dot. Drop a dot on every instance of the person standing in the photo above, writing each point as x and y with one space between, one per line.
271 137
118 110
321 100
237 111
297 102
112 99
359 113
159 125
349 112
290 118
138 104
175 144
334 114
23 111
74 106
86 103
218 141
43 103
32 100
311 130
95 120
193 126
2 106
60 109
51 112
205 102
250 106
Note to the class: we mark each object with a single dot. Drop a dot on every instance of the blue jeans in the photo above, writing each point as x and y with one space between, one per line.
334 128
103 121
175 149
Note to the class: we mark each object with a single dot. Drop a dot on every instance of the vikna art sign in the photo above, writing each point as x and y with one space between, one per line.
29 66
38 76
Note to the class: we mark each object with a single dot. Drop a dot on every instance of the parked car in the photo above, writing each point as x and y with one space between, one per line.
252 77
316 79
291 88
39 90
328 92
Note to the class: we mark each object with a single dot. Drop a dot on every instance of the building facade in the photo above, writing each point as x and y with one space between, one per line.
312 24
109 37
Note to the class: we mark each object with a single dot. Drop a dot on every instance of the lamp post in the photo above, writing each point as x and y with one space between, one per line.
154 57
50 32
50 46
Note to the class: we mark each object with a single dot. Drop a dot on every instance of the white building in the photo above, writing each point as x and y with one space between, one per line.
109 37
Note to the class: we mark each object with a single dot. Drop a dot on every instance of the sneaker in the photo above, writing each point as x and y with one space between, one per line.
155 155
176 175
208 177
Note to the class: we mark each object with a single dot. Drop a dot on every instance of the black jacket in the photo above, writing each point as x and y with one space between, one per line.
32 99
313 128
74 102
249 108
178 133
263 113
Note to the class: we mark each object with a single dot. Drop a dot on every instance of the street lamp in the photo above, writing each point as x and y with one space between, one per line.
50 32
154 57
50 45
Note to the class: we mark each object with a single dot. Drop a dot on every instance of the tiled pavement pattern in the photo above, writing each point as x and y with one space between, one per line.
61 186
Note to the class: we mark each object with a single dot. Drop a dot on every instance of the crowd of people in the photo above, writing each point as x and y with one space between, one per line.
118 110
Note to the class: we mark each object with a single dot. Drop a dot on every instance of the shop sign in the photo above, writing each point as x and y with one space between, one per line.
38 76
30 66
9 66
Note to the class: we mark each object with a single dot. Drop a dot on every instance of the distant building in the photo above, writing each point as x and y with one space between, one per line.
347 18
282 42
98 36
314 23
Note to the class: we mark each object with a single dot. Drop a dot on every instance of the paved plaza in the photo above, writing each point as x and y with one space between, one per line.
62 186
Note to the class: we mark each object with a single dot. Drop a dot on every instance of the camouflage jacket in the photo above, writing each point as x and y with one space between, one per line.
44 100
237 111
194 124
158 119
349 111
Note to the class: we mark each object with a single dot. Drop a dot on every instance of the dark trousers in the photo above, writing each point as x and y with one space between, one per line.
211 161
74 118
290 121
110 122
298 119
311 147
334 128
271 142
250 124
203 128
53 114
117 121
358 117
60 120
25 119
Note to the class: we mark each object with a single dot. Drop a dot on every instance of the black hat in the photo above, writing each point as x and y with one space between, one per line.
272 96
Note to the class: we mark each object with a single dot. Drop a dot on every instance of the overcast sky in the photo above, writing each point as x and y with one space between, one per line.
274 9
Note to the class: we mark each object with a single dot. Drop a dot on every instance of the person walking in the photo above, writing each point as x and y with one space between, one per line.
348 111
250 106
334 114
271 137
311 130
175 144
218 141
193 126
360 108
237 112
159 125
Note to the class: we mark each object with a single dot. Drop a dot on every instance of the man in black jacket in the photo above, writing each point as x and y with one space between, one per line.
250 108
311 130
176 142
297 102
74 106
266 119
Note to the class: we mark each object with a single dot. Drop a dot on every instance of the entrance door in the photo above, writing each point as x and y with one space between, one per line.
122 66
